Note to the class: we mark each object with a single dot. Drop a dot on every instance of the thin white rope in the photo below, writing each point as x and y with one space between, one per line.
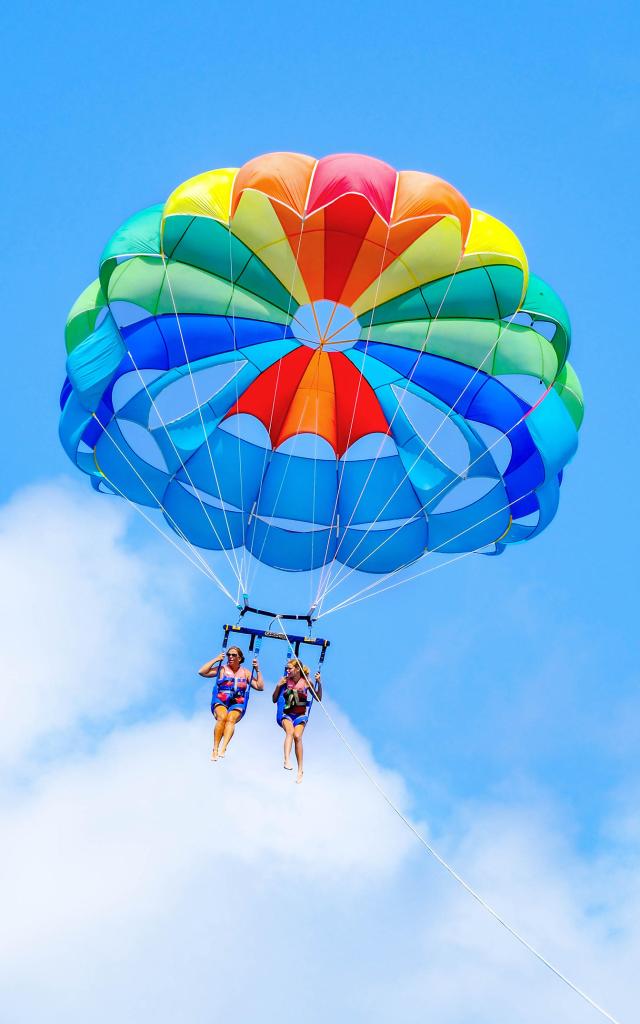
204 429
284 475
269 452
240 474
318 598
435 497
501 330
161 255
315 473
326 567
177 528
357 598
166 536
407 381
432 551
315 461
340 576
452 871
352 599
183 464
207 568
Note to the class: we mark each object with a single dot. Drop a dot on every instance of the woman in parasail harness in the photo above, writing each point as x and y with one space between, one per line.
230 694
294 695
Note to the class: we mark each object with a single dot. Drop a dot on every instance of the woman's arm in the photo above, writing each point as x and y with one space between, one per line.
278 690
210 668
257 681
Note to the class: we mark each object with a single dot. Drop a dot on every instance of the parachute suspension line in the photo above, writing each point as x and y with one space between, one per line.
343 574
204 429
284 476
178 529
377 583
377 455
243 573
204 566
398 407
436 497
182 463
315 473
458 877
268 453
326 569
209 575
361 596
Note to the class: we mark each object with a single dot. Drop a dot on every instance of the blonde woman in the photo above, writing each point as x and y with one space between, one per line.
230 694
294 695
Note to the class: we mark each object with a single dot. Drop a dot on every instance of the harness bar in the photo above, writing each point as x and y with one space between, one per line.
308 618
295 641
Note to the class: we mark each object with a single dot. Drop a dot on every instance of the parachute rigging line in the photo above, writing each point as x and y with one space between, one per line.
267 455
355 598
326 569
206 568
182 463
284 476
377 455
455 875
235 351
202 565
343 574
337 580
237 572
315 481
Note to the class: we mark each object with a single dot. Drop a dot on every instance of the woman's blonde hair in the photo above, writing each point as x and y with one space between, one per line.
304 669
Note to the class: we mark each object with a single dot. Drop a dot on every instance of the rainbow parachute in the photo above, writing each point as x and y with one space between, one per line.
323 361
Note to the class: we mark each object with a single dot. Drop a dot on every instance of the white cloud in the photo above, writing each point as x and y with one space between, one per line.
83 634
140 882
144 882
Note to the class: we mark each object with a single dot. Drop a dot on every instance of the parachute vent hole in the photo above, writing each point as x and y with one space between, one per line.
327 325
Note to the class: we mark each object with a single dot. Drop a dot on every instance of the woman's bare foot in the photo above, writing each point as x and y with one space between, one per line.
289 767
300 774
221 753
214 755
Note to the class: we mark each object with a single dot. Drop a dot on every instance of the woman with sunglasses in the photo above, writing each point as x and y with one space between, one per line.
293 710
230 694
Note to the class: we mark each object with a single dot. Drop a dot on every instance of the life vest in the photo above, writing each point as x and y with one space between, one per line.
231 690
294 697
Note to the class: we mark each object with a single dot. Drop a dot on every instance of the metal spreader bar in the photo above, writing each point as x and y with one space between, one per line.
309 618
293 639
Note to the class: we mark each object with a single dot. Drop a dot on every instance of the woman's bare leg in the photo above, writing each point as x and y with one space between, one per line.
297 739
287 725
221 717
229 729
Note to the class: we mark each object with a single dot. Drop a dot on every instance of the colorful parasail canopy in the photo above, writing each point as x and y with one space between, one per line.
323 361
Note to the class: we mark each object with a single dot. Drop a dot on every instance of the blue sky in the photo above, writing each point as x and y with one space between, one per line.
523 669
